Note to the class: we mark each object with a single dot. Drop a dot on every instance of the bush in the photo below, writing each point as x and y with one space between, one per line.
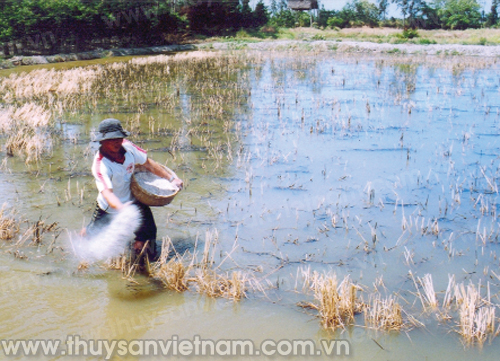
334 22
392 23
303 19
242 34
267 29
426 41
482 41
410 33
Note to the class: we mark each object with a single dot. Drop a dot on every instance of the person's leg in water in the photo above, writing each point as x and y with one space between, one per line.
146 232
98 221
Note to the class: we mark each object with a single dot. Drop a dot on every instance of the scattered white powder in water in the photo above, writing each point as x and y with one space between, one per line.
112 240
155 185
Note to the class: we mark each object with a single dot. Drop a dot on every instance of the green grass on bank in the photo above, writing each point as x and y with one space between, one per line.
376 35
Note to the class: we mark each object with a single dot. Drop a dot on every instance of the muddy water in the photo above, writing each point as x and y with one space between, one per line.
338 164
66 65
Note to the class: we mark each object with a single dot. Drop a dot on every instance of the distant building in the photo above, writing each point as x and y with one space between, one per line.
302 4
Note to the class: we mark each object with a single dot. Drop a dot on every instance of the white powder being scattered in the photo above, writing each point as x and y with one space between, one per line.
155 185
113 239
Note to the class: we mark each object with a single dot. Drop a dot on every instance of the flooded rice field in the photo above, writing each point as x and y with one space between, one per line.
327 197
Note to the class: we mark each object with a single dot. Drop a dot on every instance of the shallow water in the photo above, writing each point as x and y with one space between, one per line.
66 65
338 163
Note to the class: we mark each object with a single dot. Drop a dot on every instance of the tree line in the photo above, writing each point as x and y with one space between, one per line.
417 14
52 26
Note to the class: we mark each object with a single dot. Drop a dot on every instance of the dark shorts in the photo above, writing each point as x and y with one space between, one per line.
146 232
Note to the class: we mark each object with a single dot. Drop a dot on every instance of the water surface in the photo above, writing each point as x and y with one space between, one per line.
336 163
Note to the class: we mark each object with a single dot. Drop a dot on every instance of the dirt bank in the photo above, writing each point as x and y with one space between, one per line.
362 47
96 54
277 45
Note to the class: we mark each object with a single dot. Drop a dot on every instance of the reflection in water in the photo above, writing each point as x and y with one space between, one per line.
371 166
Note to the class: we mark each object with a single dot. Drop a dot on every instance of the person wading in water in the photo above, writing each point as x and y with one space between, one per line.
113 167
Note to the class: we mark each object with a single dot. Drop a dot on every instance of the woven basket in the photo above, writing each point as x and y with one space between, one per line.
147 198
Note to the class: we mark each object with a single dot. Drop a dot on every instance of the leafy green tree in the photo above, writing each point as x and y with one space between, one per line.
283 17
403 6
246 14
359 13
324 16
410 10
217 17
260 14
65 21
427 18
382 7
274 7
460 14
5 27
493 15
419 14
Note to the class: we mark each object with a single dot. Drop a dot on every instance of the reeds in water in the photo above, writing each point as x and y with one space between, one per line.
171 272
36 231
179 272
428 296
384 314
211 281
121 263
429 293
9 226
216 285
476 318
28 131
336 303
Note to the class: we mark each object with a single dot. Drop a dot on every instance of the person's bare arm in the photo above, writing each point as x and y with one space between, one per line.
157 169
112 199
113 202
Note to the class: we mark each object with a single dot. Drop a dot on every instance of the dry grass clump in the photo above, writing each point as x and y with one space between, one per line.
336 303
476 314
164 59
178 272
130 262
28 130
210 280
9 226
384 314
428 295
172 273
83 266
36 231
216 285
24 233
49 84
121 263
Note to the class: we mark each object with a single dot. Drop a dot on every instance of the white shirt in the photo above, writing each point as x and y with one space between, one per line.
116 176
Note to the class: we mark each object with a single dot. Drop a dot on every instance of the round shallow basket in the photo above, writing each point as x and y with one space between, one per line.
146 197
